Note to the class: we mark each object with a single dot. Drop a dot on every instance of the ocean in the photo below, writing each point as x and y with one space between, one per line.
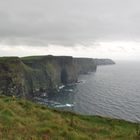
112 91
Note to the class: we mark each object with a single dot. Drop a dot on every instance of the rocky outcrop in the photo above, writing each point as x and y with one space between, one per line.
34 75
104 62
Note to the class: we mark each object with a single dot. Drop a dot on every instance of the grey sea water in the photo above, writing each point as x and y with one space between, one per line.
112 91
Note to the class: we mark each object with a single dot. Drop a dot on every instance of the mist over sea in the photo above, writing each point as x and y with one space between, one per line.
112 91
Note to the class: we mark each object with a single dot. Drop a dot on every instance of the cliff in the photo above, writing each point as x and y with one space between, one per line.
12 76
34 75
85 65
104 62
49 72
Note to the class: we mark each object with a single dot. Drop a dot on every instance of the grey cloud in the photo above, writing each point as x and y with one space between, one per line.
68 22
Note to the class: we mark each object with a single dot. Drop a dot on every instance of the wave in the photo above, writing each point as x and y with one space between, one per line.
65 105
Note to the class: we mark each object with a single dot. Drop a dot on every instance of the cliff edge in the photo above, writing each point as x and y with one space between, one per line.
104 62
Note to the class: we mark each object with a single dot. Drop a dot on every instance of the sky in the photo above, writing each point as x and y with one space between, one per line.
81 28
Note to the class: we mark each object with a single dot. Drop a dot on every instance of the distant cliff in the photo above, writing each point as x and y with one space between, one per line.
85 65
34 75
104 62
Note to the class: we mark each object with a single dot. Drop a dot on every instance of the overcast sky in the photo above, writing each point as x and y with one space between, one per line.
89 28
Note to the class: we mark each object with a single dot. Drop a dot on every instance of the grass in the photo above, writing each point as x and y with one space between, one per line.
24 120
31 57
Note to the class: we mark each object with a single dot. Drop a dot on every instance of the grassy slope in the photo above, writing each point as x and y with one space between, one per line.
23 120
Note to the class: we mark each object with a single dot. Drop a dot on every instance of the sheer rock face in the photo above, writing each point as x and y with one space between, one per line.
85 65
104 62
34 75
49 72
12 76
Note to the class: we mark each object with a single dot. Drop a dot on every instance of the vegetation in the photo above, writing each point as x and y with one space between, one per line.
23 120
32 58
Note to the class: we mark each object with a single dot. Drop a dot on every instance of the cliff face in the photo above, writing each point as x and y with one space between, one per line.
34 75
85 65
49 72
104 62
12 76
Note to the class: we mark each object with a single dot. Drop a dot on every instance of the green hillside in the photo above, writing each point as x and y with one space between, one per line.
23 120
